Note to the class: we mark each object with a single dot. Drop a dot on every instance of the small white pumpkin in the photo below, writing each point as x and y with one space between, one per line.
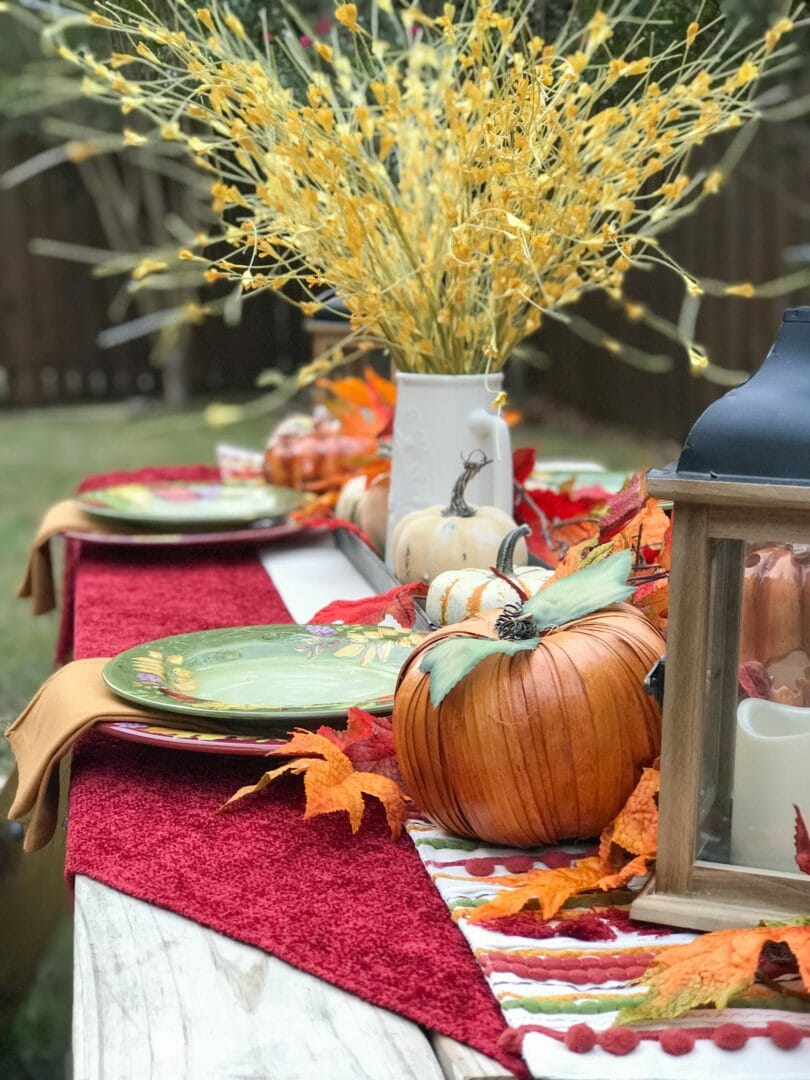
364 502
457 594
372 511
347 506
427 542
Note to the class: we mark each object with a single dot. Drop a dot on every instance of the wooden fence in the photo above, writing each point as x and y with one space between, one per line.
51 312
743 234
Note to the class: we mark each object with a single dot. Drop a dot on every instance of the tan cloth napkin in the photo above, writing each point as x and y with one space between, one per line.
62 517
65 706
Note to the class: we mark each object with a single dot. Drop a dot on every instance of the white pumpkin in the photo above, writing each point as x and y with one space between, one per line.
364 502
456 594
347 506
427 542
372 511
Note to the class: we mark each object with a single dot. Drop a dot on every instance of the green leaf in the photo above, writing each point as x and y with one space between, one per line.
450 660
584 591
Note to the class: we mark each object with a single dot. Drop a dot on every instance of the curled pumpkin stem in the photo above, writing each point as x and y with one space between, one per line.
514 624
459 507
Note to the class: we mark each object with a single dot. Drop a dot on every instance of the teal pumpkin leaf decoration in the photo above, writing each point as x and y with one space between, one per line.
454 657
570 598
563 601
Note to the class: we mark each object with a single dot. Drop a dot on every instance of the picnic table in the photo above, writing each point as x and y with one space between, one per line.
256 943
157 994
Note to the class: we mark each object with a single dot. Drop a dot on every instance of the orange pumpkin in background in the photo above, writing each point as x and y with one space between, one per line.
304 450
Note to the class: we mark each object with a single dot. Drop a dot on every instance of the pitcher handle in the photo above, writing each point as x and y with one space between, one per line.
494 432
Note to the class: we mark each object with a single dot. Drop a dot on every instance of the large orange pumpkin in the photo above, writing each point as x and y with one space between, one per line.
537 747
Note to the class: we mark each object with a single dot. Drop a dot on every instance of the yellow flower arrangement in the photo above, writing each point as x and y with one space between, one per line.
453 190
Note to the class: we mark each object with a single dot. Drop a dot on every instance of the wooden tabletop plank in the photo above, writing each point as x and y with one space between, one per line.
460 1062
158 997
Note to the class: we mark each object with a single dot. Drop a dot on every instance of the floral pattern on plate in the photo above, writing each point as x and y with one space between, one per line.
275 673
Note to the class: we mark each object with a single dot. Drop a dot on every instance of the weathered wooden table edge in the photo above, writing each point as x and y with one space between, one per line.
159 997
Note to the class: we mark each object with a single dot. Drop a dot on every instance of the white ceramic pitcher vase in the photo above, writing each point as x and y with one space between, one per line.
439 421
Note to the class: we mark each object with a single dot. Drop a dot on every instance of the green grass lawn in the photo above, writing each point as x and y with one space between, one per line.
43 456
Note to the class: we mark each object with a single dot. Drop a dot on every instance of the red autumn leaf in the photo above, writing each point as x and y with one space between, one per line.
594 493
712 969
368 742
556 520
331 782
558 506
522 463
624 506
397 602
802 843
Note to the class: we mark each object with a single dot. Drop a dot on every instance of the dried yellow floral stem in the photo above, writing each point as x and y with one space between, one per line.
453 192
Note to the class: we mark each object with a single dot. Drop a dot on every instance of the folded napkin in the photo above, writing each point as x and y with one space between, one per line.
68 516
62 517
65 707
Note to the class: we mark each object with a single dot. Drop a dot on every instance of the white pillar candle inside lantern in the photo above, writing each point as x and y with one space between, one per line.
771 777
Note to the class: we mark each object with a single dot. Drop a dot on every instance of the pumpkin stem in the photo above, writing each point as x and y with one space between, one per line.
459 507
515 624
505 559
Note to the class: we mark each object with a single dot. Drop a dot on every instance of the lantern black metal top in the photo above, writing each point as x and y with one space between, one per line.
759 432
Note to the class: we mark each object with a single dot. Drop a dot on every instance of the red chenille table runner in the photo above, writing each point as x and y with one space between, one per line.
358 911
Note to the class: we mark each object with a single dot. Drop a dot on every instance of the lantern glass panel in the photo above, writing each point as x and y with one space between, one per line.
755 737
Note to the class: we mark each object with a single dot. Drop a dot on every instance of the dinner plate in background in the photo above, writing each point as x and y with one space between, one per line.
177 504
555 474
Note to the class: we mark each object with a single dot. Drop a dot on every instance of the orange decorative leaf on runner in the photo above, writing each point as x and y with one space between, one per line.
712 969
331 782
635 828
626 848
548 888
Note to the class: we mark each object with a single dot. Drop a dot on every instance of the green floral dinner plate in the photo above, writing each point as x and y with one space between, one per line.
269 673
174 503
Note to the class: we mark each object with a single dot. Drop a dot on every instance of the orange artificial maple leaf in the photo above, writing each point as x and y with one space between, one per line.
315 509
363 406
549 888
331 782
335 481
634 830
626 847
712 969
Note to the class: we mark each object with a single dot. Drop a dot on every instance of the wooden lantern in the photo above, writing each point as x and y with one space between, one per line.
735 755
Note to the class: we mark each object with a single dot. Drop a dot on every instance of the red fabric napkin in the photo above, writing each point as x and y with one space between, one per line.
358 911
